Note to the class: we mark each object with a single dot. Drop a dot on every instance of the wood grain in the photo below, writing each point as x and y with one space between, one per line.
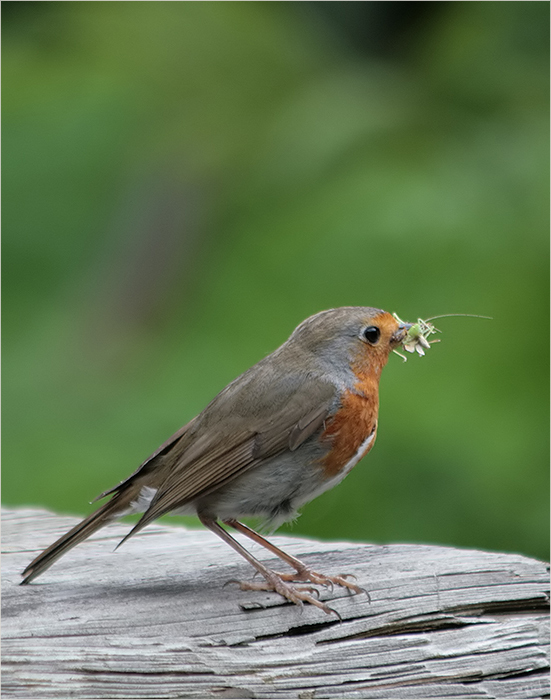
154 620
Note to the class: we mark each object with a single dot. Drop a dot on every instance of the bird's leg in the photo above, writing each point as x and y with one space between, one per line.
274 582
303 573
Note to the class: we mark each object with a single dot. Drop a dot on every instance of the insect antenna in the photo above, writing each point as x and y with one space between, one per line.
432 318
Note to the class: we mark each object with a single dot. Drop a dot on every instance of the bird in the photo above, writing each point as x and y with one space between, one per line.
286 430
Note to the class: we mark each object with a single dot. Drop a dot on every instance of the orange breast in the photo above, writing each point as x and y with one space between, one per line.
356 419
350 427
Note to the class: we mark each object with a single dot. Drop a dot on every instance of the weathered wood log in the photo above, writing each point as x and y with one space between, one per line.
154 620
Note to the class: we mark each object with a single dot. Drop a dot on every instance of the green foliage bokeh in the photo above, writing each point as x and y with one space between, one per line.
184 182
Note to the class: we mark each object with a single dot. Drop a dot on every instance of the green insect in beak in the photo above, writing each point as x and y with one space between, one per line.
416 337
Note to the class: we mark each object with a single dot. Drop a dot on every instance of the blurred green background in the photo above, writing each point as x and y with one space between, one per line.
184 182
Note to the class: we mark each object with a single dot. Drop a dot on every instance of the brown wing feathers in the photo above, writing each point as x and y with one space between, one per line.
196 461
164 449
195 474
187 481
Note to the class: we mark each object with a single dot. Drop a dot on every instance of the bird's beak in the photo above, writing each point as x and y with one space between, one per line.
399 335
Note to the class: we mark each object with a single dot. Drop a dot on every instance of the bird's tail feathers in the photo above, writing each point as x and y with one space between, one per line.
113 509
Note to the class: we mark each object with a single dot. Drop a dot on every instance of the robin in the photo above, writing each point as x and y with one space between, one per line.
285 431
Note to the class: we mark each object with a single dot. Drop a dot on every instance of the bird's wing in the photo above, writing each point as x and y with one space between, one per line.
205 459
149 463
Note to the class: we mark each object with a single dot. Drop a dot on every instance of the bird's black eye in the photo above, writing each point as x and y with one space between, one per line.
372 334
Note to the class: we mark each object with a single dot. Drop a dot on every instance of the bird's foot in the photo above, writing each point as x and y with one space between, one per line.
294 594
324 580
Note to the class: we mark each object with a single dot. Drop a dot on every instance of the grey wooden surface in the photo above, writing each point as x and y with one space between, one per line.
154 620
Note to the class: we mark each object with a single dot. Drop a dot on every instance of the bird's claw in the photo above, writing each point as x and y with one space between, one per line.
327 581
294 594
231 580
285 585
349 576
